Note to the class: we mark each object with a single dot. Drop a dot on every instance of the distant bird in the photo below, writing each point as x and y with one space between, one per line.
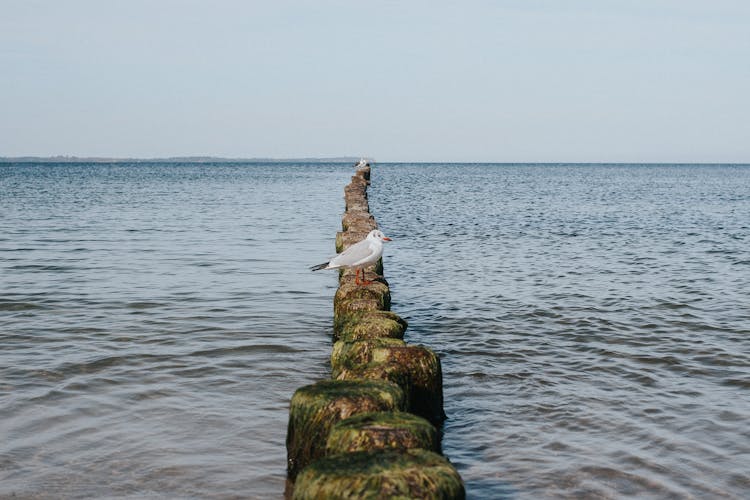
359 255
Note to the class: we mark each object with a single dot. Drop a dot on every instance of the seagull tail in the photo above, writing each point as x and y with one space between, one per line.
319 267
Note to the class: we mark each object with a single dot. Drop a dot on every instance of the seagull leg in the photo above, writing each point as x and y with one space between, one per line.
356 277
364 280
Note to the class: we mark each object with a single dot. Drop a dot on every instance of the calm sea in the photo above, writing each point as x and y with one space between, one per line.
593 323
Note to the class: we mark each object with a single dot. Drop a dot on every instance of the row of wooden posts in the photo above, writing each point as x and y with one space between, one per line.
373 429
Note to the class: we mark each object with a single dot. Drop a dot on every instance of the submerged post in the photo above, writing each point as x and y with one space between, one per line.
371 431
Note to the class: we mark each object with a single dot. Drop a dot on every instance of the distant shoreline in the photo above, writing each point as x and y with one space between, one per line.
176 159
338 159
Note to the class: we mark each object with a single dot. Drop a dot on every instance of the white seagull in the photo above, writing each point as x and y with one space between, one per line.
359 255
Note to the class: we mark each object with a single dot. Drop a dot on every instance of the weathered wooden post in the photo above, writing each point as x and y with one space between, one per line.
371 431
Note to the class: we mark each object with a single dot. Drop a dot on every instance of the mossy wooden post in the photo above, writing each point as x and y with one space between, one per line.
359 220
412 473
345 239
348 291
349 355
364 172
351 301
426 392
368 324
390 371
315 408
380 431
350 437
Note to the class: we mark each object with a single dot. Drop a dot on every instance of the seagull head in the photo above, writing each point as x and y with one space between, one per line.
376 234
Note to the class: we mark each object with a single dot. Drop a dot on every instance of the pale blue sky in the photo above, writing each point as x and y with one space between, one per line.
507 81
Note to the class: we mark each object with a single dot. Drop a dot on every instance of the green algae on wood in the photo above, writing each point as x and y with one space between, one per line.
349 297
372 273
390 371
372 359
382 430
426 392
412 473
347 354
372 324
315 408
349 291
351 300
340 242
344 312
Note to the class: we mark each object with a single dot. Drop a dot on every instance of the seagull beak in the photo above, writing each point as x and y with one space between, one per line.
385 238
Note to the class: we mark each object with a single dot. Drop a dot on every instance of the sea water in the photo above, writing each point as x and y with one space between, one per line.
593 323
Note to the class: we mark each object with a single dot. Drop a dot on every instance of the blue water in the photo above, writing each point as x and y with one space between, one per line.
155 321
593 323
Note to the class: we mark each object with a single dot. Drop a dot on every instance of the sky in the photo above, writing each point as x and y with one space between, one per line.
407 80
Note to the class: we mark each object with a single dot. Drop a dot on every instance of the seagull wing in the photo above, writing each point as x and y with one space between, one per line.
353 255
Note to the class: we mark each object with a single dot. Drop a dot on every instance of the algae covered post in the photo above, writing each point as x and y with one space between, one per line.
371 431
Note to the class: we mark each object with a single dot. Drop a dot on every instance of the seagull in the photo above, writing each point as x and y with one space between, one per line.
359 255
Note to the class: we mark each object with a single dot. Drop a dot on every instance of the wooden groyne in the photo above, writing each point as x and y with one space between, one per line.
372 430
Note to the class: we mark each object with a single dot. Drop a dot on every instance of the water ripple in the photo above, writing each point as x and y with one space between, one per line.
592 322
155 321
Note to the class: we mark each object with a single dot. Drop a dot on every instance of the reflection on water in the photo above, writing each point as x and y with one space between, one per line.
593 323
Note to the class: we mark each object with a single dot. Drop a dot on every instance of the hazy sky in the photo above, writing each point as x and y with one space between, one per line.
514 80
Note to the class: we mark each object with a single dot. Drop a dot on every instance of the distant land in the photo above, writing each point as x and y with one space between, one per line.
175 159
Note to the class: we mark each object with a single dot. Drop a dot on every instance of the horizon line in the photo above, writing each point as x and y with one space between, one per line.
332 159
